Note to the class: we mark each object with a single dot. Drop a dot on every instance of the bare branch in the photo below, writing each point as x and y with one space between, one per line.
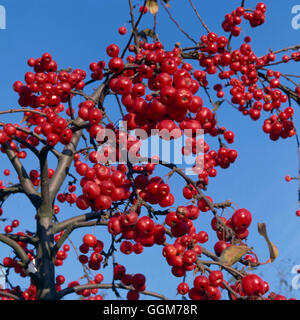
23 110
25 181
202 22
17 248
9 295
284 88
135 28
176 23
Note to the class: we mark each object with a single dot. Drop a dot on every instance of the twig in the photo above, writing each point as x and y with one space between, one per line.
202 22
71 108
285 89
25 181
135 28
23 110
176 23
293 48
9 295
119 104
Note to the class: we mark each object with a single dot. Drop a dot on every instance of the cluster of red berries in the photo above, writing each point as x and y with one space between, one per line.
257 17
176 86
14 263
142 230
90 242
250 285
233 19
136 281
280 126
9 228
181 220
205 288
205 165
10 130
268 99
155 191
87 293
208 287
159 91
97 70
61 255
180 257
46 87
101 185
239 223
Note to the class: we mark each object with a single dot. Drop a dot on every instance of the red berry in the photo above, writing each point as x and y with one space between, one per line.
183 288
122 30
288 178
241 220
252 285
112 50
90 240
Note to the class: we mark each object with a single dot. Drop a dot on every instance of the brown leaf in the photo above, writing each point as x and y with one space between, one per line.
149 33
217 105
143 34
152 6
233 254
167 2
262 229
25 118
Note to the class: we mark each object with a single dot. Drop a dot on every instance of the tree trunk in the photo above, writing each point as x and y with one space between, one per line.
44 261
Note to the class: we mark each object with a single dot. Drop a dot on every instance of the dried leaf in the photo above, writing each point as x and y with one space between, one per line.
25 118
262 229
167 2
152 6
143 34
233 254
217 105
149 33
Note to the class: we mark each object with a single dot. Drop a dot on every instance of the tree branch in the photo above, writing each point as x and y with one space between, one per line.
58 227
26 183
285 89
197 14
9 295
46 203
135 28
176 23
65 160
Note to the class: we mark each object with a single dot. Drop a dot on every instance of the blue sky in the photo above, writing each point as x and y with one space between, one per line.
77 33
